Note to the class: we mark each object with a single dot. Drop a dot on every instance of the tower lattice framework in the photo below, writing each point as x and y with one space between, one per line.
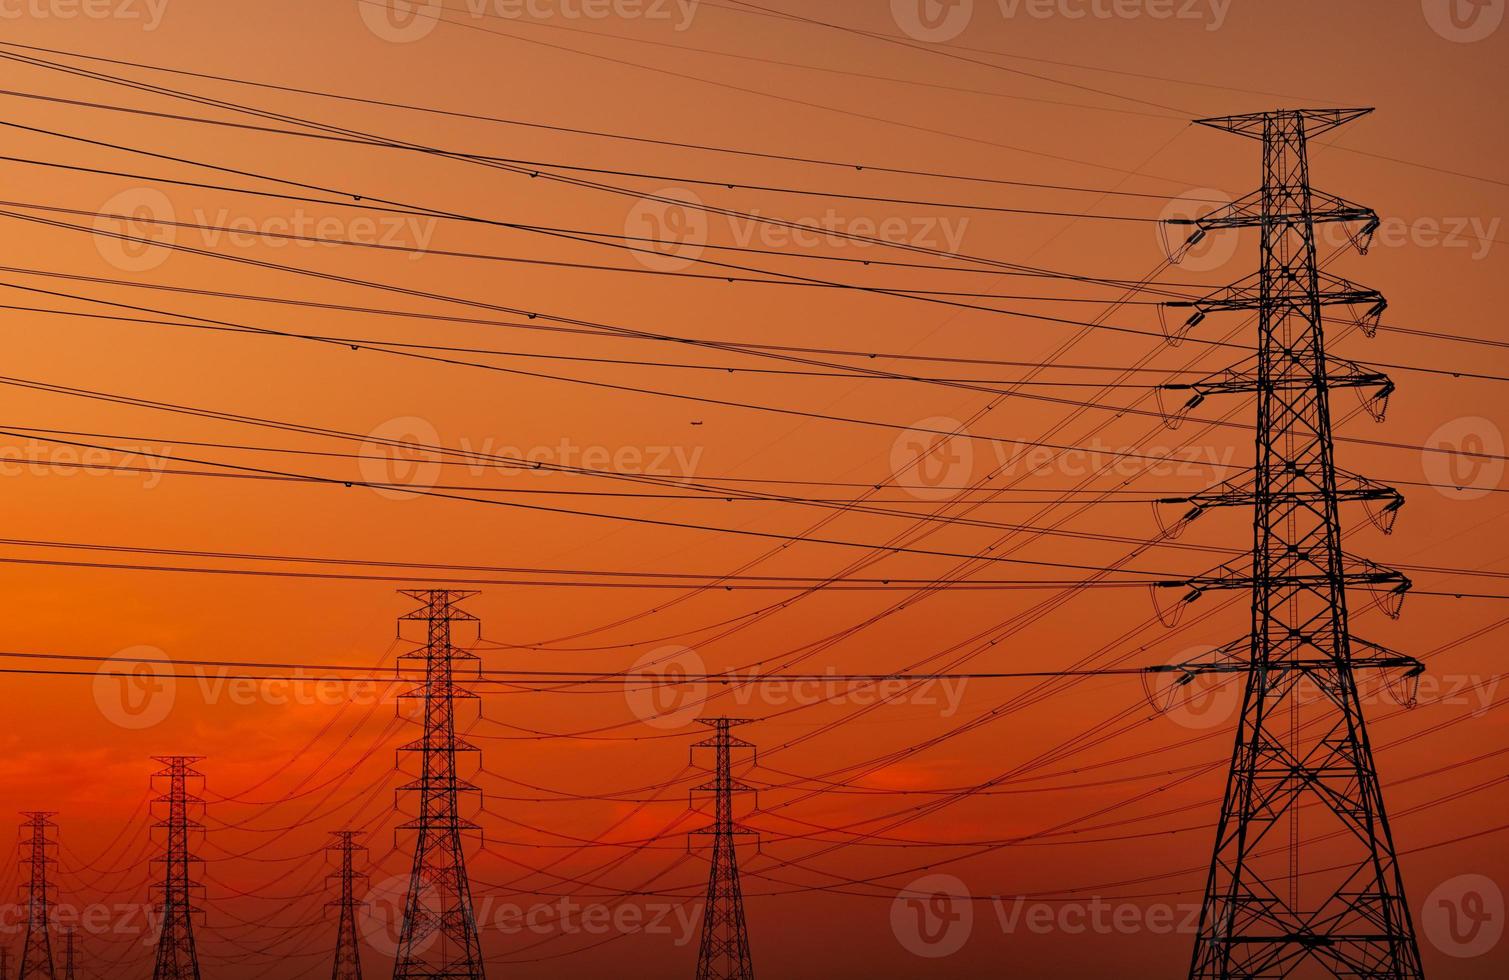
37 849
724 953
348 958
1302 767
439 936
177 957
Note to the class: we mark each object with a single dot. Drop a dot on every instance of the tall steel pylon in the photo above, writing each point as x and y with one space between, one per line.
348 957
439 936
1302 743
68 943
177 958
724 954
37 857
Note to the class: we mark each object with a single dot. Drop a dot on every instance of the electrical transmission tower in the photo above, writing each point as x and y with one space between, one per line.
725 939
439 936
68 973
348 959
37 850
1302 745
177 959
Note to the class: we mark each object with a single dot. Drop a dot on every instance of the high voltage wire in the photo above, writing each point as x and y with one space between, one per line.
604 171
851 166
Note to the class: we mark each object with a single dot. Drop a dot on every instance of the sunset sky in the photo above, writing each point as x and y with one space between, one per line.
634 316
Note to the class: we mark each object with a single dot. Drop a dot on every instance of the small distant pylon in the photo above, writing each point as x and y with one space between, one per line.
724 953
177 958
37 848
68 970
439 936
348 957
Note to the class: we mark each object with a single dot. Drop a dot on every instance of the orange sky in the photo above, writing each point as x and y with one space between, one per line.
1023 92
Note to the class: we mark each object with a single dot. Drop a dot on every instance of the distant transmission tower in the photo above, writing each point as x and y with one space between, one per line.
439 935
725 939
37 850
1302 744
177 959
68 972
348 958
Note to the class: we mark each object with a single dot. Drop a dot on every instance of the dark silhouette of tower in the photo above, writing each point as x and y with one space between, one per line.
439 936
1302 744
37 857
4 963
724 953
68 970
348 958
177 959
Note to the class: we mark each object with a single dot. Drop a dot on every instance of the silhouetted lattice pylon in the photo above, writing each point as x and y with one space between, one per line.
1302 745
439 936
348 958
37 858
724 953
177 957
